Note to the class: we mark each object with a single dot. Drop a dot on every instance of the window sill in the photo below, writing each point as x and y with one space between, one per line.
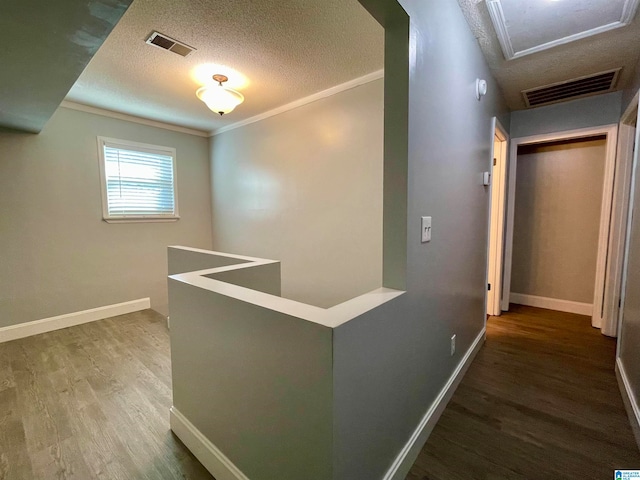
141 219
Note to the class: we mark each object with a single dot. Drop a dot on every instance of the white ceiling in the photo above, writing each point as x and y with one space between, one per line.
531 23
280 51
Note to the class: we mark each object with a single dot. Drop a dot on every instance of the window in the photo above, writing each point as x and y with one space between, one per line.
138 181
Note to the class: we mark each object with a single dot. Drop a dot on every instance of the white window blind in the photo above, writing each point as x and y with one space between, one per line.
138 181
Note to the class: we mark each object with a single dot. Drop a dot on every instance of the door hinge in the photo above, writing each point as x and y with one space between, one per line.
620 302
488 286
495 162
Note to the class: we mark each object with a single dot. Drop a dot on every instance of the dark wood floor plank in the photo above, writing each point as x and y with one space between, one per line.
45 421
11 430
540 401
63 461
15 465
6 377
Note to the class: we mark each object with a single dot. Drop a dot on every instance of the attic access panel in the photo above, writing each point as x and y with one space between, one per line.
529 26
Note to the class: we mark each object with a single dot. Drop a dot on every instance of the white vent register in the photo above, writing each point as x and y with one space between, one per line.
160 40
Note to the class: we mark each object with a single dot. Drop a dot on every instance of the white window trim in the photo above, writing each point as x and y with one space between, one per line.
145 147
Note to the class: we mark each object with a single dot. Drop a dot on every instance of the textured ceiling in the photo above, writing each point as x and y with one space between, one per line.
605 51
283 51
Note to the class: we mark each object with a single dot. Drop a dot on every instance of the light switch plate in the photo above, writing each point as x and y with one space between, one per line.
426 229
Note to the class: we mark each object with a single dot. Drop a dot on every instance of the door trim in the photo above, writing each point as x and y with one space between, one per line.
633 108
497 203
611 132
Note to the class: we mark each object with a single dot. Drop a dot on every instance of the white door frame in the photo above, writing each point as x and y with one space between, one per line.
619 220
496 216
611 132
633 107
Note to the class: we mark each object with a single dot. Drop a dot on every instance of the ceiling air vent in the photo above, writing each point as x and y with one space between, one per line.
166 43
571 89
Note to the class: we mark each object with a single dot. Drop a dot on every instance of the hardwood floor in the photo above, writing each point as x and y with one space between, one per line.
91 402
540 401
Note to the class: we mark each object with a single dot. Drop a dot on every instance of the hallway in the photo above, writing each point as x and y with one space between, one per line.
540 401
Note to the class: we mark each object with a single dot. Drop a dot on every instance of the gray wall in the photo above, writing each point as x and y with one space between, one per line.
305 187
390 366
583 113
59 256
557 219
628 94
629 347
267 403
37 74
271 385
630 334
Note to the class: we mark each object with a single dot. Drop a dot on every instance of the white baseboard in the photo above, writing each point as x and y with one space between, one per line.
13 332
629 399
206 452
403 462
552 303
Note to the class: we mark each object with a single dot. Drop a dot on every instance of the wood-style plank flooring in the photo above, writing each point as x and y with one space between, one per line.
540 401
91 402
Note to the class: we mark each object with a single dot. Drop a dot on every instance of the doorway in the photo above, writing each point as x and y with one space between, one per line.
608 236
497 217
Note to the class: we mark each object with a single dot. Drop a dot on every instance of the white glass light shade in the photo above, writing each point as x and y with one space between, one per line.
219 98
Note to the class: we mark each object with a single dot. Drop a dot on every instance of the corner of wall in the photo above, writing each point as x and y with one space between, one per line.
628 397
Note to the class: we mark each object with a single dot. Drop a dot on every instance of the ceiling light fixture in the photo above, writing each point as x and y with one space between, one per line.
219 98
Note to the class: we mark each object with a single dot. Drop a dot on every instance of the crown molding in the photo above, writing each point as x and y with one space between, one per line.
256 118
132 118
303 101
